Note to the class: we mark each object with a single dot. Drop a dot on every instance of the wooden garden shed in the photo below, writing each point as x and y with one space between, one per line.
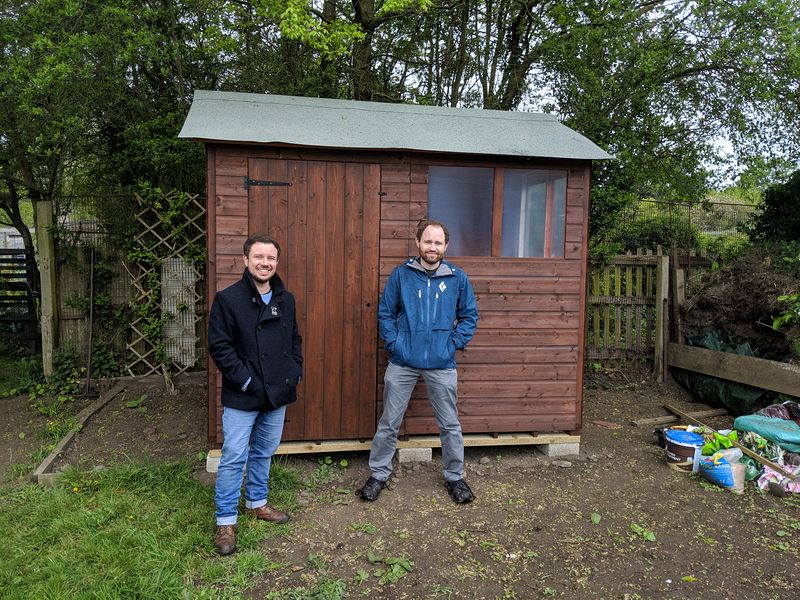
342 184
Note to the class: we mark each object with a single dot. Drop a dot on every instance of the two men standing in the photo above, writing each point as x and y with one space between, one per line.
426 313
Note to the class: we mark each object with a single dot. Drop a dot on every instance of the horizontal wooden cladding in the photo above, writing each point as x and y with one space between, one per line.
496 424
504 284
231 206
541 320
231 185
573 232
230 164
499 355
490 406
413 195
397 229
543 372
577 178
394 251
233 225
576 200
404 173
519 267
525 337
529 302
229 244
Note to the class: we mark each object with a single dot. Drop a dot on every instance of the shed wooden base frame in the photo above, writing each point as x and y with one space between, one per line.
473 440
431 441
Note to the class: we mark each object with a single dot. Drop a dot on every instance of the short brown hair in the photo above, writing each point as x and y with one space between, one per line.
425 223
259 239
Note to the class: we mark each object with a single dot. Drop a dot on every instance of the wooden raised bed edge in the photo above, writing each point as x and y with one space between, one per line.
757 372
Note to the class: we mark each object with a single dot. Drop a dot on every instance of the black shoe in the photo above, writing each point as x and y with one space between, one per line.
459 491
371 490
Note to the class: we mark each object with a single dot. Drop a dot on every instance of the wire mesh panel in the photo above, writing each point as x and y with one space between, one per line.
707 226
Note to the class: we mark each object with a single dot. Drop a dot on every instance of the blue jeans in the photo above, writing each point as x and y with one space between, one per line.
249 437
442 386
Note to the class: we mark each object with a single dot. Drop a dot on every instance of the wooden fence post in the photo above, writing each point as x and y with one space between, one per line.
662 312
47 274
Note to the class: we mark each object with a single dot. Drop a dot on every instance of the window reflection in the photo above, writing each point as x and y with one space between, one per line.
461 198
534 213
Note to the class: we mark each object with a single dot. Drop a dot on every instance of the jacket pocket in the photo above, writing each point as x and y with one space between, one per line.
443 350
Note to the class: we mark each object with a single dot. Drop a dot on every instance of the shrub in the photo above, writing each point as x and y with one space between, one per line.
778 216
655 230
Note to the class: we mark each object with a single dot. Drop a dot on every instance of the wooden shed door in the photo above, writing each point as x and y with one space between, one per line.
327 222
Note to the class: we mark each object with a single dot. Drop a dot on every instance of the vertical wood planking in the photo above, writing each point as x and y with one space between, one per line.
335 297
369 301
295 259
618 309
315 340
629 291
351 301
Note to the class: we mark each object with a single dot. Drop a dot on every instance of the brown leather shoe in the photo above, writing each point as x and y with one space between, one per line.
225 539
267 513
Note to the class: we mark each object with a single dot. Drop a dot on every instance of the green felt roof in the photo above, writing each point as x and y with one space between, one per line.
325 123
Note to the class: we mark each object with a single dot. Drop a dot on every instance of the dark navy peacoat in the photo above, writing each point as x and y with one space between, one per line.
248 339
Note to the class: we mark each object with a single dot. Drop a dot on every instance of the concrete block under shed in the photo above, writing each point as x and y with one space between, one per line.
554 450
406 455
212 460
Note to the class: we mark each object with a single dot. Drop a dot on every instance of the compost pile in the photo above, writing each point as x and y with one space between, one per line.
741 300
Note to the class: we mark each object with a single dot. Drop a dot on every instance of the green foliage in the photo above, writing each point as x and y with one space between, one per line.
663 230
791 315
724 248
643 532
93 94
22 376
778 216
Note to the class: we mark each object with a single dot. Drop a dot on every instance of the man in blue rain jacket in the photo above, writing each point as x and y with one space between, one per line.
426 313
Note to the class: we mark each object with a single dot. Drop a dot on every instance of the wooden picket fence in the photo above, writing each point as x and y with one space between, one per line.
624 315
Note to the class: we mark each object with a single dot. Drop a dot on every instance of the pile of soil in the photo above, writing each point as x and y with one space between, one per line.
741 299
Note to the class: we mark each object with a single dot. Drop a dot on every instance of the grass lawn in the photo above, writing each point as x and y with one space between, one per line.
128 532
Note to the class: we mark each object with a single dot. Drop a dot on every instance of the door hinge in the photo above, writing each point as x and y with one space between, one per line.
248 182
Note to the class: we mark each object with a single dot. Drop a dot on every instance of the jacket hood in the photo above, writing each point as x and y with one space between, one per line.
442 270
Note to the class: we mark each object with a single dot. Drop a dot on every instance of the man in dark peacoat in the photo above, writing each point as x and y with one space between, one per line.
254 340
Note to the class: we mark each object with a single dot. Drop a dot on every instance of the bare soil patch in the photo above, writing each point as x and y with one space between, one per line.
530 532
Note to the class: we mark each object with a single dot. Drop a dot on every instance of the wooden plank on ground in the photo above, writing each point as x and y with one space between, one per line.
41 475
758 372
666 419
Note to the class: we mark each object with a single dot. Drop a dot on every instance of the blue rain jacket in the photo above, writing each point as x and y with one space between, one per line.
423 320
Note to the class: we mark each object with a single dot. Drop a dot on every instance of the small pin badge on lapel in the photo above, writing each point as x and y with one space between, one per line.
274 311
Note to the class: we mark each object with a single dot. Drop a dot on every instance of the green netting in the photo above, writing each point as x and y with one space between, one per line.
736 398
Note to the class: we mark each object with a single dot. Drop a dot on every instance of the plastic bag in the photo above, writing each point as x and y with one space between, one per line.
752 469
724 469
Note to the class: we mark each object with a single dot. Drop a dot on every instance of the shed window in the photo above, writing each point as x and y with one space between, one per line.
534 212
461 198
527 211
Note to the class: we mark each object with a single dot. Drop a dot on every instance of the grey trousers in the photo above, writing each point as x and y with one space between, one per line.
442 387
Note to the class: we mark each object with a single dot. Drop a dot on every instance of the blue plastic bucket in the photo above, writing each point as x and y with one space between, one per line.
683 449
